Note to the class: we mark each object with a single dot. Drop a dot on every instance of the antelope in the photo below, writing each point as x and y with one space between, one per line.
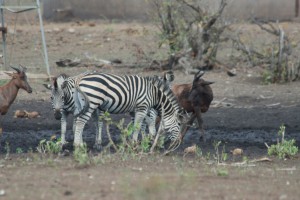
9 91
194 98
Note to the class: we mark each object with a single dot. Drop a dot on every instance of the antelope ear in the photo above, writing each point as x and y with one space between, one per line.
48 86
9 74
207 83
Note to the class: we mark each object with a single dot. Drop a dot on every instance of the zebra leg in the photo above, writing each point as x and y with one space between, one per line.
143 124
74 125
151 122
138 119
98 126
80 123
63 123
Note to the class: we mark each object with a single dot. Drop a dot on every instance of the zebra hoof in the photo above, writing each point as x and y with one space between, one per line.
65 152
202 138
66 147
97 147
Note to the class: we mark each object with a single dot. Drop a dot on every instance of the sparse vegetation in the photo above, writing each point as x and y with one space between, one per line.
190 27
81 155
284 148
130 173
222 172
49 147
276 57
19 150
220 157
126 146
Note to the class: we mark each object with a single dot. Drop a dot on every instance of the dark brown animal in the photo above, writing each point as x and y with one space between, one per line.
9 91
194 97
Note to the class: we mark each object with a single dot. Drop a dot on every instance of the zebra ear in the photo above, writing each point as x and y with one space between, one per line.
54 82
169 76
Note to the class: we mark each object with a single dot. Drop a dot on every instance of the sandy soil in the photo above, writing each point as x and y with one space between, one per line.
245 114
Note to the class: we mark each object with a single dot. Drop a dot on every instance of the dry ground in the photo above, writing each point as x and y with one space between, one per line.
245 114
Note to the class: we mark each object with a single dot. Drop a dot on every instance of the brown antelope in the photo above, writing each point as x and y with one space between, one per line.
194 98
9 91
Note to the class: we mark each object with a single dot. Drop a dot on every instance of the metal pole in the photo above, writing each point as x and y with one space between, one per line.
296 8
43 37
3 34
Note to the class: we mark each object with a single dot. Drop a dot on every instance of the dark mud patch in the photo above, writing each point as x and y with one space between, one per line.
247 128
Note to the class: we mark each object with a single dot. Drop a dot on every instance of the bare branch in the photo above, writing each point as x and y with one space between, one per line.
196 9
216 16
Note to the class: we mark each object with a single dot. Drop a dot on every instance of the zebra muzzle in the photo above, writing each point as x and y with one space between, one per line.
57 115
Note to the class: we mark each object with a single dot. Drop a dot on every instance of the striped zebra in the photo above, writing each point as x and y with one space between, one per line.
63 104
150 120
121 94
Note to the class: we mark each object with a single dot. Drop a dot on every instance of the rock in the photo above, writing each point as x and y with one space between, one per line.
191 149
237 152
20 114
231 72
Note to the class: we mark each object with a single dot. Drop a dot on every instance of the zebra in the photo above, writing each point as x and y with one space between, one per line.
63 104
150 120
121 94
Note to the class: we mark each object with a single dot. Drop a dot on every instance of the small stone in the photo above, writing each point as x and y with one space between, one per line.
2 192
71 30
237 151
231 72
67 193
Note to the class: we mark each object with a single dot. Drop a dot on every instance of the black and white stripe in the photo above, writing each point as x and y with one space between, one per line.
63 104
150 120
121 94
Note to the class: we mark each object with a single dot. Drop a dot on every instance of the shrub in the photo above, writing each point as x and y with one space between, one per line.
81 155
52 146
285 148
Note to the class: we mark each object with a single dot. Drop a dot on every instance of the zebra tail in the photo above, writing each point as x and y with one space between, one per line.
81 102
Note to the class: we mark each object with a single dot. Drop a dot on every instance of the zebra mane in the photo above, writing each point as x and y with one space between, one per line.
165 88
81 100
63 75
58 80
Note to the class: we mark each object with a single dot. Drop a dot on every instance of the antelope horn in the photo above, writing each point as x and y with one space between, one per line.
199 74
22 68
17 69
